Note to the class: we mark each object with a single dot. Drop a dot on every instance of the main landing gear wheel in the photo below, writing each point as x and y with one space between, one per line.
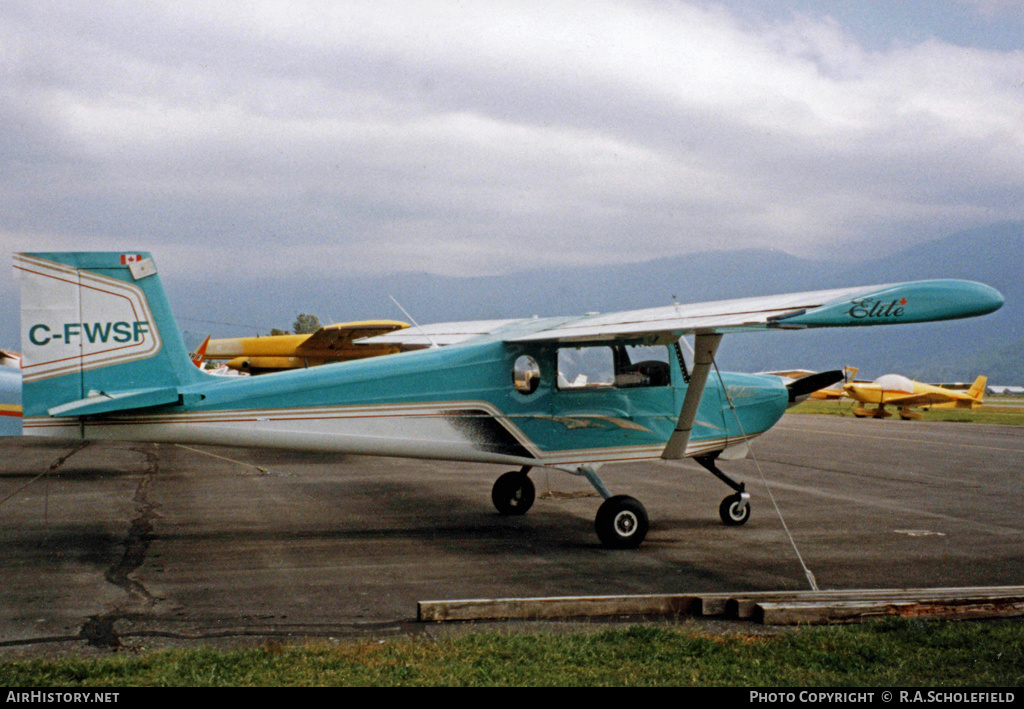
621 522
734 510
513 493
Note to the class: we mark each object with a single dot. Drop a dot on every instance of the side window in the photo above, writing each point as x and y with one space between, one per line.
618 366
585 368
526 374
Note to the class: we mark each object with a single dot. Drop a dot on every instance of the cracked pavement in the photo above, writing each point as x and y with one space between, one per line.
132 546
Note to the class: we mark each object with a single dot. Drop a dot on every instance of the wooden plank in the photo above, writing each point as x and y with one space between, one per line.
783 613
558 607
744 606
762 606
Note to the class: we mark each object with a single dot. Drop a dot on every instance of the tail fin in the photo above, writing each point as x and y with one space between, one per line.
97 335
977 390
199 355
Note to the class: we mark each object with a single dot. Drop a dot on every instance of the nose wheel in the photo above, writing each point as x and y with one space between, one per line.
735 509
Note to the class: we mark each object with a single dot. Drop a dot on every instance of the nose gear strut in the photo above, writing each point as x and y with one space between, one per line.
735 509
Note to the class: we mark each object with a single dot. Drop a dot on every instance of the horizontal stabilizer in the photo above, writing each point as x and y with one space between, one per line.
101 403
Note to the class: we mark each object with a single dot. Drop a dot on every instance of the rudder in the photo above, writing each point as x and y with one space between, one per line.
97 335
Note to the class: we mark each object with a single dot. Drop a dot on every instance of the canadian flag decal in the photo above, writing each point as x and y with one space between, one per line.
130 258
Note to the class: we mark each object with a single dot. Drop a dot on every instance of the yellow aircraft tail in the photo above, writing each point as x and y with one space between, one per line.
977 390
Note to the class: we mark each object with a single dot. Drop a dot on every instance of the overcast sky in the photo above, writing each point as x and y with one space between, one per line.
483 137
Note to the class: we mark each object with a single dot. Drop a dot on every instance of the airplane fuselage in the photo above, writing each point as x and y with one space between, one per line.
457 403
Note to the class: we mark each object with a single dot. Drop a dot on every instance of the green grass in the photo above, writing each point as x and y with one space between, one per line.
990 412
888 653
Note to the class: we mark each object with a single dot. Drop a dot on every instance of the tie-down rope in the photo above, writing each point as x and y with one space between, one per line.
757 464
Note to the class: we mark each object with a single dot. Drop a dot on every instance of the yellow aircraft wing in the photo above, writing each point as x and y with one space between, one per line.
929 395
923 398
331 343
827 393
340 338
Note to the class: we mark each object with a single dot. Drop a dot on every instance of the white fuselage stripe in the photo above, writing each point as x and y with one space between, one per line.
407 430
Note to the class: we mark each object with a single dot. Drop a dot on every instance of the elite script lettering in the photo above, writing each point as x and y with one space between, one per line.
871 308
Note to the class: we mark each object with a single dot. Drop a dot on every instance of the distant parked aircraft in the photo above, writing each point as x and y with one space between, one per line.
275 353
903 393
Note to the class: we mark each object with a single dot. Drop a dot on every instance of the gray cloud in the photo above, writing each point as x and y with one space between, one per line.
465 140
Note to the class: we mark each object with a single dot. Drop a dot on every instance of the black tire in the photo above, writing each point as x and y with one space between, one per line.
733 511
621 522
513 493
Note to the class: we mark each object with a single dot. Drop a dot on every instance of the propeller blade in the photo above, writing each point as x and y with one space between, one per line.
803 387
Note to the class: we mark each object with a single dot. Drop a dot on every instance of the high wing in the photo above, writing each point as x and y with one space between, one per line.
918 301
438 334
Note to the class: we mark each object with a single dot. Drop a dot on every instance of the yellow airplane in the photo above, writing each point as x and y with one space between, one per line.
331 343
901 392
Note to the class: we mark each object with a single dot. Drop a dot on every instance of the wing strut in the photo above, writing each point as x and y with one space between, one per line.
704 348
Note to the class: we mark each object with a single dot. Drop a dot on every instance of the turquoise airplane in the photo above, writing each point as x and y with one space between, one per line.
102 359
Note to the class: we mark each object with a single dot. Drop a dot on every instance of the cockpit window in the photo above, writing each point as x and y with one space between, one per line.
617 366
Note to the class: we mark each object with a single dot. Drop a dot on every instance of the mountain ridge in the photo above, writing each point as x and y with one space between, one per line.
990 345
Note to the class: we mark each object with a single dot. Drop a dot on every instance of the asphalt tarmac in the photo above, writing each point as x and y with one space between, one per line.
137 546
